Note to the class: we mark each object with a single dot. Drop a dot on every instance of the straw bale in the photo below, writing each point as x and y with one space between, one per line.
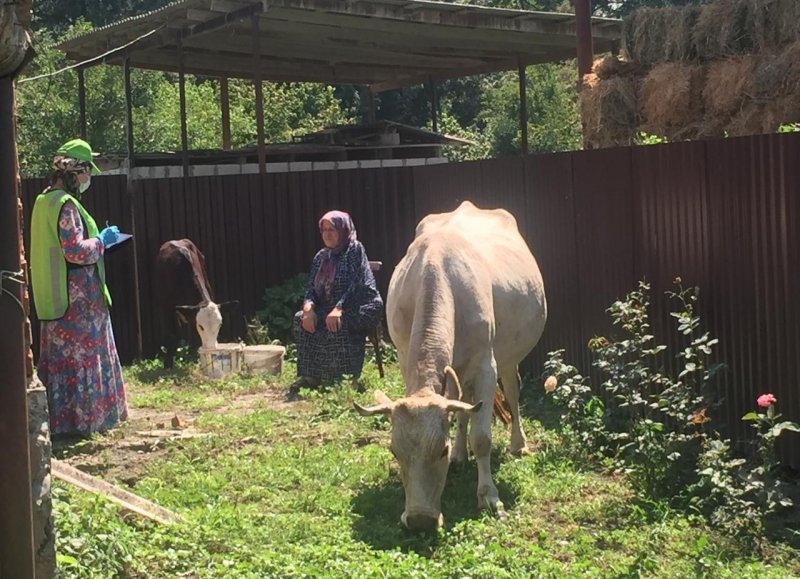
787 63
644 35
781 111
612 66
773 23
788 14
748 121
728 82
721 29
680 23
769 76
608 109
763 23
671 99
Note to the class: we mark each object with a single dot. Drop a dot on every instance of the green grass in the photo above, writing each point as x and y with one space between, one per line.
310 490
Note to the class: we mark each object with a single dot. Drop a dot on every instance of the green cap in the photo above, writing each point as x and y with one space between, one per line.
80 150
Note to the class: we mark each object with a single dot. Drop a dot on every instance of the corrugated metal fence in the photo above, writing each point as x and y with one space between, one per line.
724 215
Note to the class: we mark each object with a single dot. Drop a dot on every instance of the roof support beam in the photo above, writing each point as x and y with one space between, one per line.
262 150
583 31
82 103
182 97
523 108
225 107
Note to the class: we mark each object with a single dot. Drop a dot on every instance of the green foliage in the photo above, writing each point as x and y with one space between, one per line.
553 117
281 302
655 426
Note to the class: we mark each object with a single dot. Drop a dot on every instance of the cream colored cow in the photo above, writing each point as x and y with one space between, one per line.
467 301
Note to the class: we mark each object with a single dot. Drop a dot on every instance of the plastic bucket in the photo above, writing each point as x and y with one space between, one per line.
264 359
222 361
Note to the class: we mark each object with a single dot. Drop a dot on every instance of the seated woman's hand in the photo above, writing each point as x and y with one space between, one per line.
309 321
334 320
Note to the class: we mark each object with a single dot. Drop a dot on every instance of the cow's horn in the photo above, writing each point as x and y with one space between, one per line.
384 405
448 371
458 406
372 410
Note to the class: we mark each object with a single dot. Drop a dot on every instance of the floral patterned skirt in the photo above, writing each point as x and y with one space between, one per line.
79 365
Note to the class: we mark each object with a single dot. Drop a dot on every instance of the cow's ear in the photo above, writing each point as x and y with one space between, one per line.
451 386
187 309
228 304
458 406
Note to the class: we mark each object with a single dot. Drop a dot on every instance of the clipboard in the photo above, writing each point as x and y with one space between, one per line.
121 239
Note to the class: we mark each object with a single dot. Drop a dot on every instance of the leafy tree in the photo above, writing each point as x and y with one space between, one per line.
47 109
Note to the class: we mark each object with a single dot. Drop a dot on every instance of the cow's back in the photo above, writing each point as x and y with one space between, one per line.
497 262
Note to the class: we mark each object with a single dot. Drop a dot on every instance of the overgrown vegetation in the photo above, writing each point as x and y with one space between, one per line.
281 302
658 427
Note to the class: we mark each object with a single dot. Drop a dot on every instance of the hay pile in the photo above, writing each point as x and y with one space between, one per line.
715 30
608 106
726 67
671 100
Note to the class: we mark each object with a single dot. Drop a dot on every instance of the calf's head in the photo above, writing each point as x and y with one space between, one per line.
208 322
421 445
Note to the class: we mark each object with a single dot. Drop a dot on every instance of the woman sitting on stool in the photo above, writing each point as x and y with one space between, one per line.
342 305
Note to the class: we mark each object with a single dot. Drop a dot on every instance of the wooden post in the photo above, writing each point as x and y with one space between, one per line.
225 107
17 548
82 103
126 71
583 32
262 150
523 107
126 68
434 106
370 106
182 96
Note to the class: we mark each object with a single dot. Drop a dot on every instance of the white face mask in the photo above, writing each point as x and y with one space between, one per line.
84 186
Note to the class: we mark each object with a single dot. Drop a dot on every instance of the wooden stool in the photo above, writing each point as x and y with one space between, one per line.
375 335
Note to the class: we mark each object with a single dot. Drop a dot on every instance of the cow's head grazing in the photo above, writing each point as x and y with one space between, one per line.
421 444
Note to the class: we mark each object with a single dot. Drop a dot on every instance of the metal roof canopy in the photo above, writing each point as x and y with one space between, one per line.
384 44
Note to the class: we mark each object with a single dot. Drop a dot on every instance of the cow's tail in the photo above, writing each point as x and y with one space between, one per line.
501 409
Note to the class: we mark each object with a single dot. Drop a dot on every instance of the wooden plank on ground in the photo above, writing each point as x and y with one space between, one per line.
126 499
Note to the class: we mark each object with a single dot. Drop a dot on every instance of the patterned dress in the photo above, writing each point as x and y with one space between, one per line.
78 361
328 355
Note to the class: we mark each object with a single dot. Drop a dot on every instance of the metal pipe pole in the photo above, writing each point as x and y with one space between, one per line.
434 106
370 106
523 107
225 106
182 98
262 150
82 103
130 189
583 32
17 551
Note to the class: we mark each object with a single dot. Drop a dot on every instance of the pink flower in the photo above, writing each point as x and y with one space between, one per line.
766 400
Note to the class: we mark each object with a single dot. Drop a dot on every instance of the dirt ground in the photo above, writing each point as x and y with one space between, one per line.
121 456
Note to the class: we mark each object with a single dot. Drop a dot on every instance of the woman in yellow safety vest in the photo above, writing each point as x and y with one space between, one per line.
78 361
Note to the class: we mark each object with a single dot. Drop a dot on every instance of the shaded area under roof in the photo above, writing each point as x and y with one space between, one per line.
381 43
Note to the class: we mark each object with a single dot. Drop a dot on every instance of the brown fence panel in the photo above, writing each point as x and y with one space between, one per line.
549 227
604 225
753 186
